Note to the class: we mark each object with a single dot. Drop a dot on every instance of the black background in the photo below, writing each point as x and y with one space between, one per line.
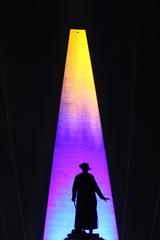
124 50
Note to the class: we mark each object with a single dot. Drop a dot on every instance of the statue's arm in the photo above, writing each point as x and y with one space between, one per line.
74 189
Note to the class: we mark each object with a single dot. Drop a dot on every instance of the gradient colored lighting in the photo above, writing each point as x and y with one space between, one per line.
79 139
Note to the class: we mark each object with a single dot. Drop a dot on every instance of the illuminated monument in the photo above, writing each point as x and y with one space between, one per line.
79 139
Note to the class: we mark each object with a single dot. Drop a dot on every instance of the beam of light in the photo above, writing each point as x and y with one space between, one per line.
79 139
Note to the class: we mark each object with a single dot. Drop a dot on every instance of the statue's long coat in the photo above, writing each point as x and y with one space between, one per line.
84 191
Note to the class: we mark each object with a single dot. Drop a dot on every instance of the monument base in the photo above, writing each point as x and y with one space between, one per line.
82 236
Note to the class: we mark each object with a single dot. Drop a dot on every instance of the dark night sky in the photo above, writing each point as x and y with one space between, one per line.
124 51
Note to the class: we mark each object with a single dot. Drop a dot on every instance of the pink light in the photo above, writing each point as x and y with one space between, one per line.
79 139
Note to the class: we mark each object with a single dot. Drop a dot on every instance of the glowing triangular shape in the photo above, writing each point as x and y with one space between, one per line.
79 139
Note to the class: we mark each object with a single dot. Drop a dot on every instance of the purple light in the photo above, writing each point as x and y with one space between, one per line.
78 139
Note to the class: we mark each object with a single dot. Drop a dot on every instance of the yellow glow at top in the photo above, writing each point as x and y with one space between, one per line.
78 86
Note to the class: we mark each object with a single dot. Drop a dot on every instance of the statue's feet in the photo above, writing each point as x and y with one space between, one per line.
77 233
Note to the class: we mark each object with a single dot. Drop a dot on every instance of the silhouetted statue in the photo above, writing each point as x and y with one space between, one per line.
84 194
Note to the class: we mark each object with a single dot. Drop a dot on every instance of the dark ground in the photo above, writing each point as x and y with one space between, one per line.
124 50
